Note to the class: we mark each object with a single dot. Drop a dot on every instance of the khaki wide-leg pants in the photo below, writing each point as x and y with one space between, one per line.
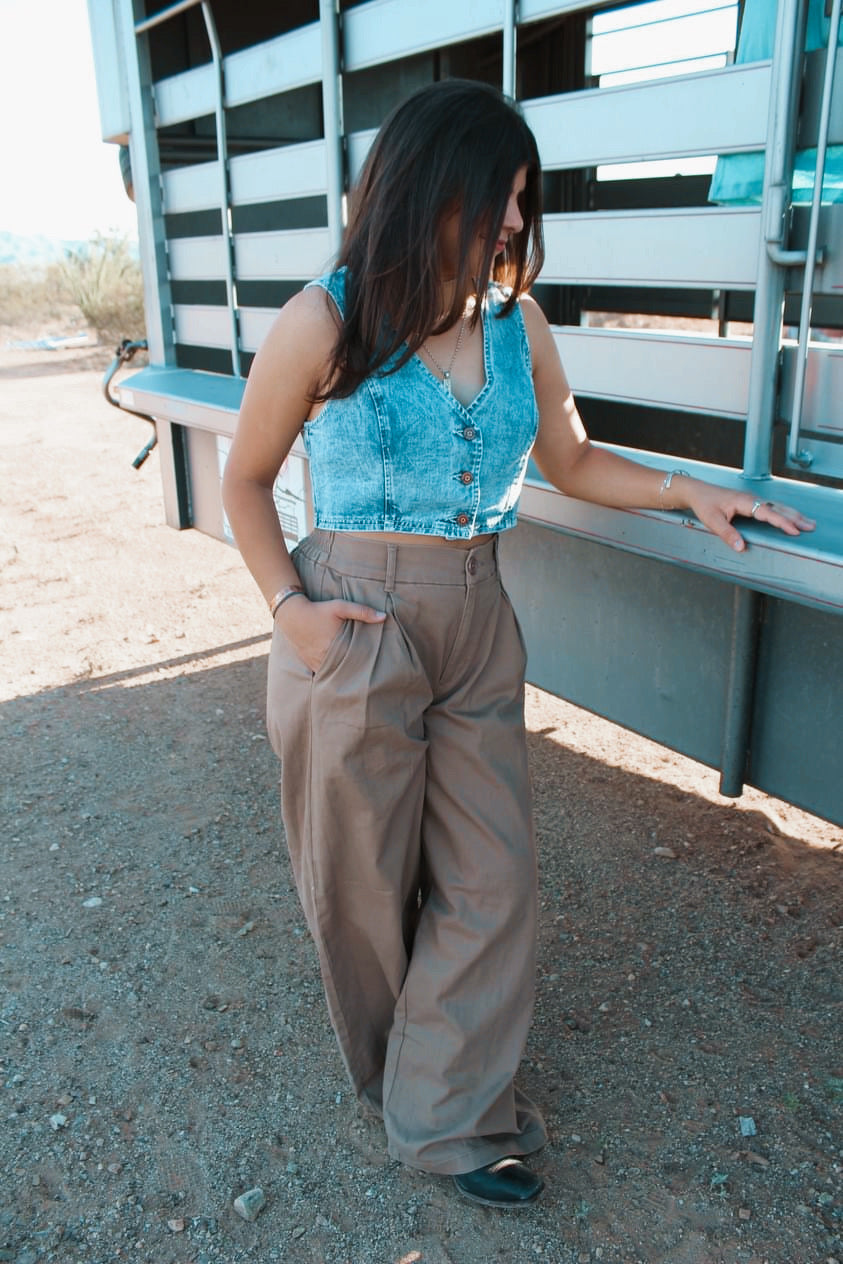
406 805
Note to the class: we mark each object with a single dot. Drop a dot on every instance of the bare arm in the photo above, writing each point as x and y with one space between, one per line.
278 397
570 462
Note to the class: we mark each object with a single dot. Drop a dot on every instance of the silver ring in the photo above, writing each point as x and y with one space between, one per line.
756 505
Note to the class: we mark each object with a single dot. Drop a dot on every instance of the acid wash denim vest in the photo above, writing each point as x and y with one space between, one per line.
402 454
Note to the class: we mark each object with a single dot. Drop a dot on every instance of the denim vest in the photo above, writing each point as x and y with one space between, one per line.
402 454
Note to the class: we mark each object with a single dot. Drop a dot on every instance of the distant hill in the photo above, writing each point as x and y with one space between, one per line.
33 250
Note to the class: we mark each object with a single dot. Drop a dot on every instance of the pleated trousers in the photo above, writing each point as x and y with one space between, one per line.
406 806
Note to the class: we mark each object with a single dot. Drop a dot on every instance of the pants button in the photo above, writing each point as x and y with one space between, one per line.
471 566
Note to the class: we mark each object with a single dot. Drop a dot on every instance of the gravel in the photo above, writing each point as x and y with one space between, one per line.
165 1051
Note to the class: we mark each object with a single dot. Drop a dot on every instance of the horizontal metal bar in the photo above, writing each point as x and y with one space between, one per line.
278 65
695 375
164 16
298 254
384 30
713 112
273 175
703 248
536 10
807 569
359 144
255 323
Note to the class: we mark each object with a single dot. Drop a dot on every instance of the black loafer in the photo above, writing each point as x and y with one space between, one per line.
504 1183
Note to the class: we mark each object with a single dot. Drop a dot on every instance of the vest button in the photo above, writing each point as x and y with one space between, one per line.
469 432
462 520
466 477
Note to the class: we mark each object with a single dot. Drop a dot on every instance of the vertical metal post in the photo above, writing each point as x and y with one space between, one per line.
740 690
224 186
146 181
158 304
795 454
769 292
510 18
332 111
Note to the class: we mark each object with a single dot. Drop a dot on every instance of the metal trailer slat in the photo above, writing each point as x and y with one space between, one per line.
807 569
295 255
384 30
290 171
265 70
359 144
201 325
708 248
535 10
824 387
197 258
255 323
696 375
712 112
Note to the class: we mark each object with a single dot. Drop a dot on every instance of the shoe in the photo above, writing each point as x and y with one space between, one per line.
504 1183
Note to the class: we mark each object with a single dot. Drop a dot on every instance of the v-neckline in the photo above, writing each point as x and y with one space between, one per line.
487 370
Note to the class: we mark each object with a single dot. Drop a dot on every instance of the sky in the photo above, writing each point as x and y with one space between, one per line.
58 177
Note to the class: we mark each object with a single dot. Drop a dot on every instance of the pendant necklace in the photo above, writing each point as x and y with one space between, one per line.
446 373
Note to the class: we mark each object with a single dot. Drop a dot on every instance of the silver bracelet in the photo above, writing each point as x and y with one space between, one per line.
668 479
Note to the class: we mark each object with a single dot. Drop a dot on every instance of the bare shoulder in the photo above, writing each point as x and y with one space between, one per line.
534 318
306 325
542 345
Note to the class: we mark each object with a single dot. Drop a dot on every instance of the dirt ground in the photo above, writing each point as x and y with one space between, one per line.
164 1043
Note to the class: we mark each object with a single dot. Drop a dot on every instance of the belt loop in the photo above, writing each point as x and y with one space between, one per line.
391 564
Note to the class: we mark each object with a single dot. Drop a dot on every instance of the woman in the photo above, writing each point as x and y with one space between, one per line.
396 676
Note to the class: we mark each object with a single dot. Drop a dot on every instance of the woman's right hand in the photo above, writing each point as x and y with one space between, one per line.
311 626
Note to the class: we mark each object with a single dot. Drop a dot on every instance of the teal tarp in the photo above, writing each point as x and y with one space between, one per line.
738 178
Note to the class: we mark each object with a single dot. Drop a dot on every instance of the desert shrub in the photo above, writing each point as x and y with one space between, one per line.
103 279
31 294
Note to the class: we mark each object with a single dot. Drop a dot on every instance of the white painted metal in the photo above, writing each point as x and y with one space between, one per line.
255 323
535 10
190 188
705 248
296 255
822 411
202 326
796 455
197 258
697 375
278 65
332 113
186 96
384 30
359 144
110 68
769 292
713 112
807 569
291 171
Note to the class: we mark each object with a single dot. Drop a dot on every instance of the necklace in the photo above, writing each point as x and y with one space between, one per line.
446 373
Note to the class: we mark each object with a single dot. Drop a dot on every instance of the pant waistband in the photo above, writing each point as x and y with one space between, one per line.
415 563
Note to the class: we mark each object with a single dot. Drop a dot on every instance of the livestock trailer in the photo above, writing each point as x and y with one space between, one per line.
693 278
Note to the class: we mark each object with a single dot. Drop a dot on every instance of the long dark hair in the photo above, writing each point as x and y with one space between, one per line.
452 146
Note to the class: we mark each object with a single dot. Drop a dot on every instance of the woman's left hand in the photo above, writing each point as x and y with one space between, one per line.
716 507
